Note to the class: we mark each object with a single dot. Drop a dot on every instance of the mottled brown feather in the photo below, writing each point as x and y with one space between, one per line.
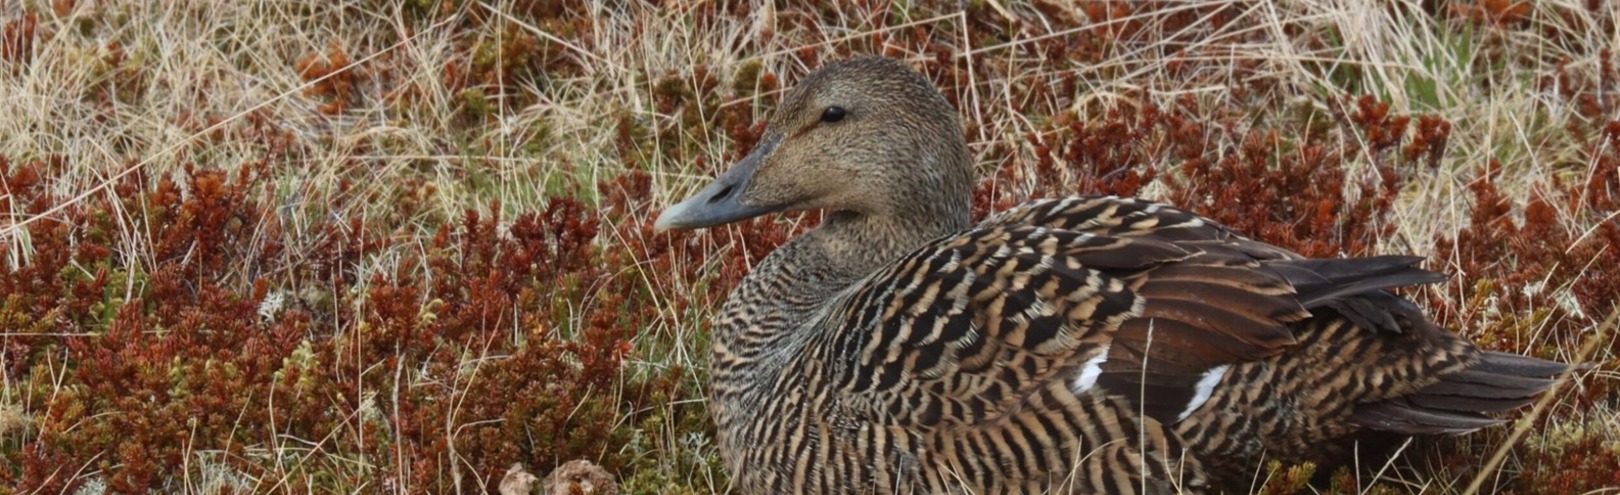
1072 345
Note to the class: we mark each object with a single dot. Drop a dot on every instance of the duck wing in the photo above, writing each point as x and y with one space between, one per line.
1232 301
974 358
1088 320
966 329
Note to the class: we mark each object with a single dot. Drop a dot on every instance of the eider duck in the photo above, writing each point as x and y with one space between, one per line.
1067 345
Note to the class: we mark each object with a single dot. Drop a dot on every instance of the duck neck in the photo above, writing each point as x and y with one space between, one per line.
855 245
762 320
767 321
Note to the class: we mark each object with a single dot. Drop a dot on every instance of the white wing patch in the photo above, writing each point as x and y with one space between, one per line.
1090 371
1205 388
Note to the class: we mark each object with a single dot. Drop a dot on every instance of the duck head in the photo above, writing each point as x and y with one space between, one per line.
866 138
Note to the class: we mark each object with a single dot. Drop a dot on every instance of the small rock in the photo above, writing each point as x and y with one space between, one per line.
579 477
14 421
517 481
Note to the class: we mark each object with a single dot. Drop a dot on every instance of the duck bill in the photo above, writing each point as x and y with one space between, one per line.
721 201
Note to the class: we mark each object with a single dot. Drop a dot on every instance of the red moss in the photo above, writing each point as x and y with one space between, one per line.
512 339
17 40
332 76
1593 94
1586 466
1286 191
1500 13
1429 143
1560 239
1541 250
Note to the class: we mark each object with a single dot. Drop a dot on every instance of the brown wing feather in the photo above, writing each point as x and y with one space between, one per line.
970 346
1214 307
1457 402
980 320
1233 300
970 343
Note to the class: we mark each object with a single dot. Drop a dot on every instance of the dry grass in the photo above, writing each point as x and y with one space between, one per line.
404 117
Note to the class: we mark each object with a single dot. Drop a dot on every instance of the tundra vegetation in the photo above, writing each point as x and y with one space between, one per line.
379 246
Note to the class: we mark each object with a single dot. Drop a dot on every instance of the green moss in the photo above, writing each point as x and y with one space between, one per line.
1285 479
475 104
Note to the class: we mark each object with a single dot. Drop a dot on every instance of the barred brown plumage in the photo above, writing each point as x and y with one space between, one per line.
1068 345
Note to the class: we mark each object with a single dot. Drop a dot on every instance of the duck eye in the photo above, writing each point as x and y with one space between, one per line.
832 114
